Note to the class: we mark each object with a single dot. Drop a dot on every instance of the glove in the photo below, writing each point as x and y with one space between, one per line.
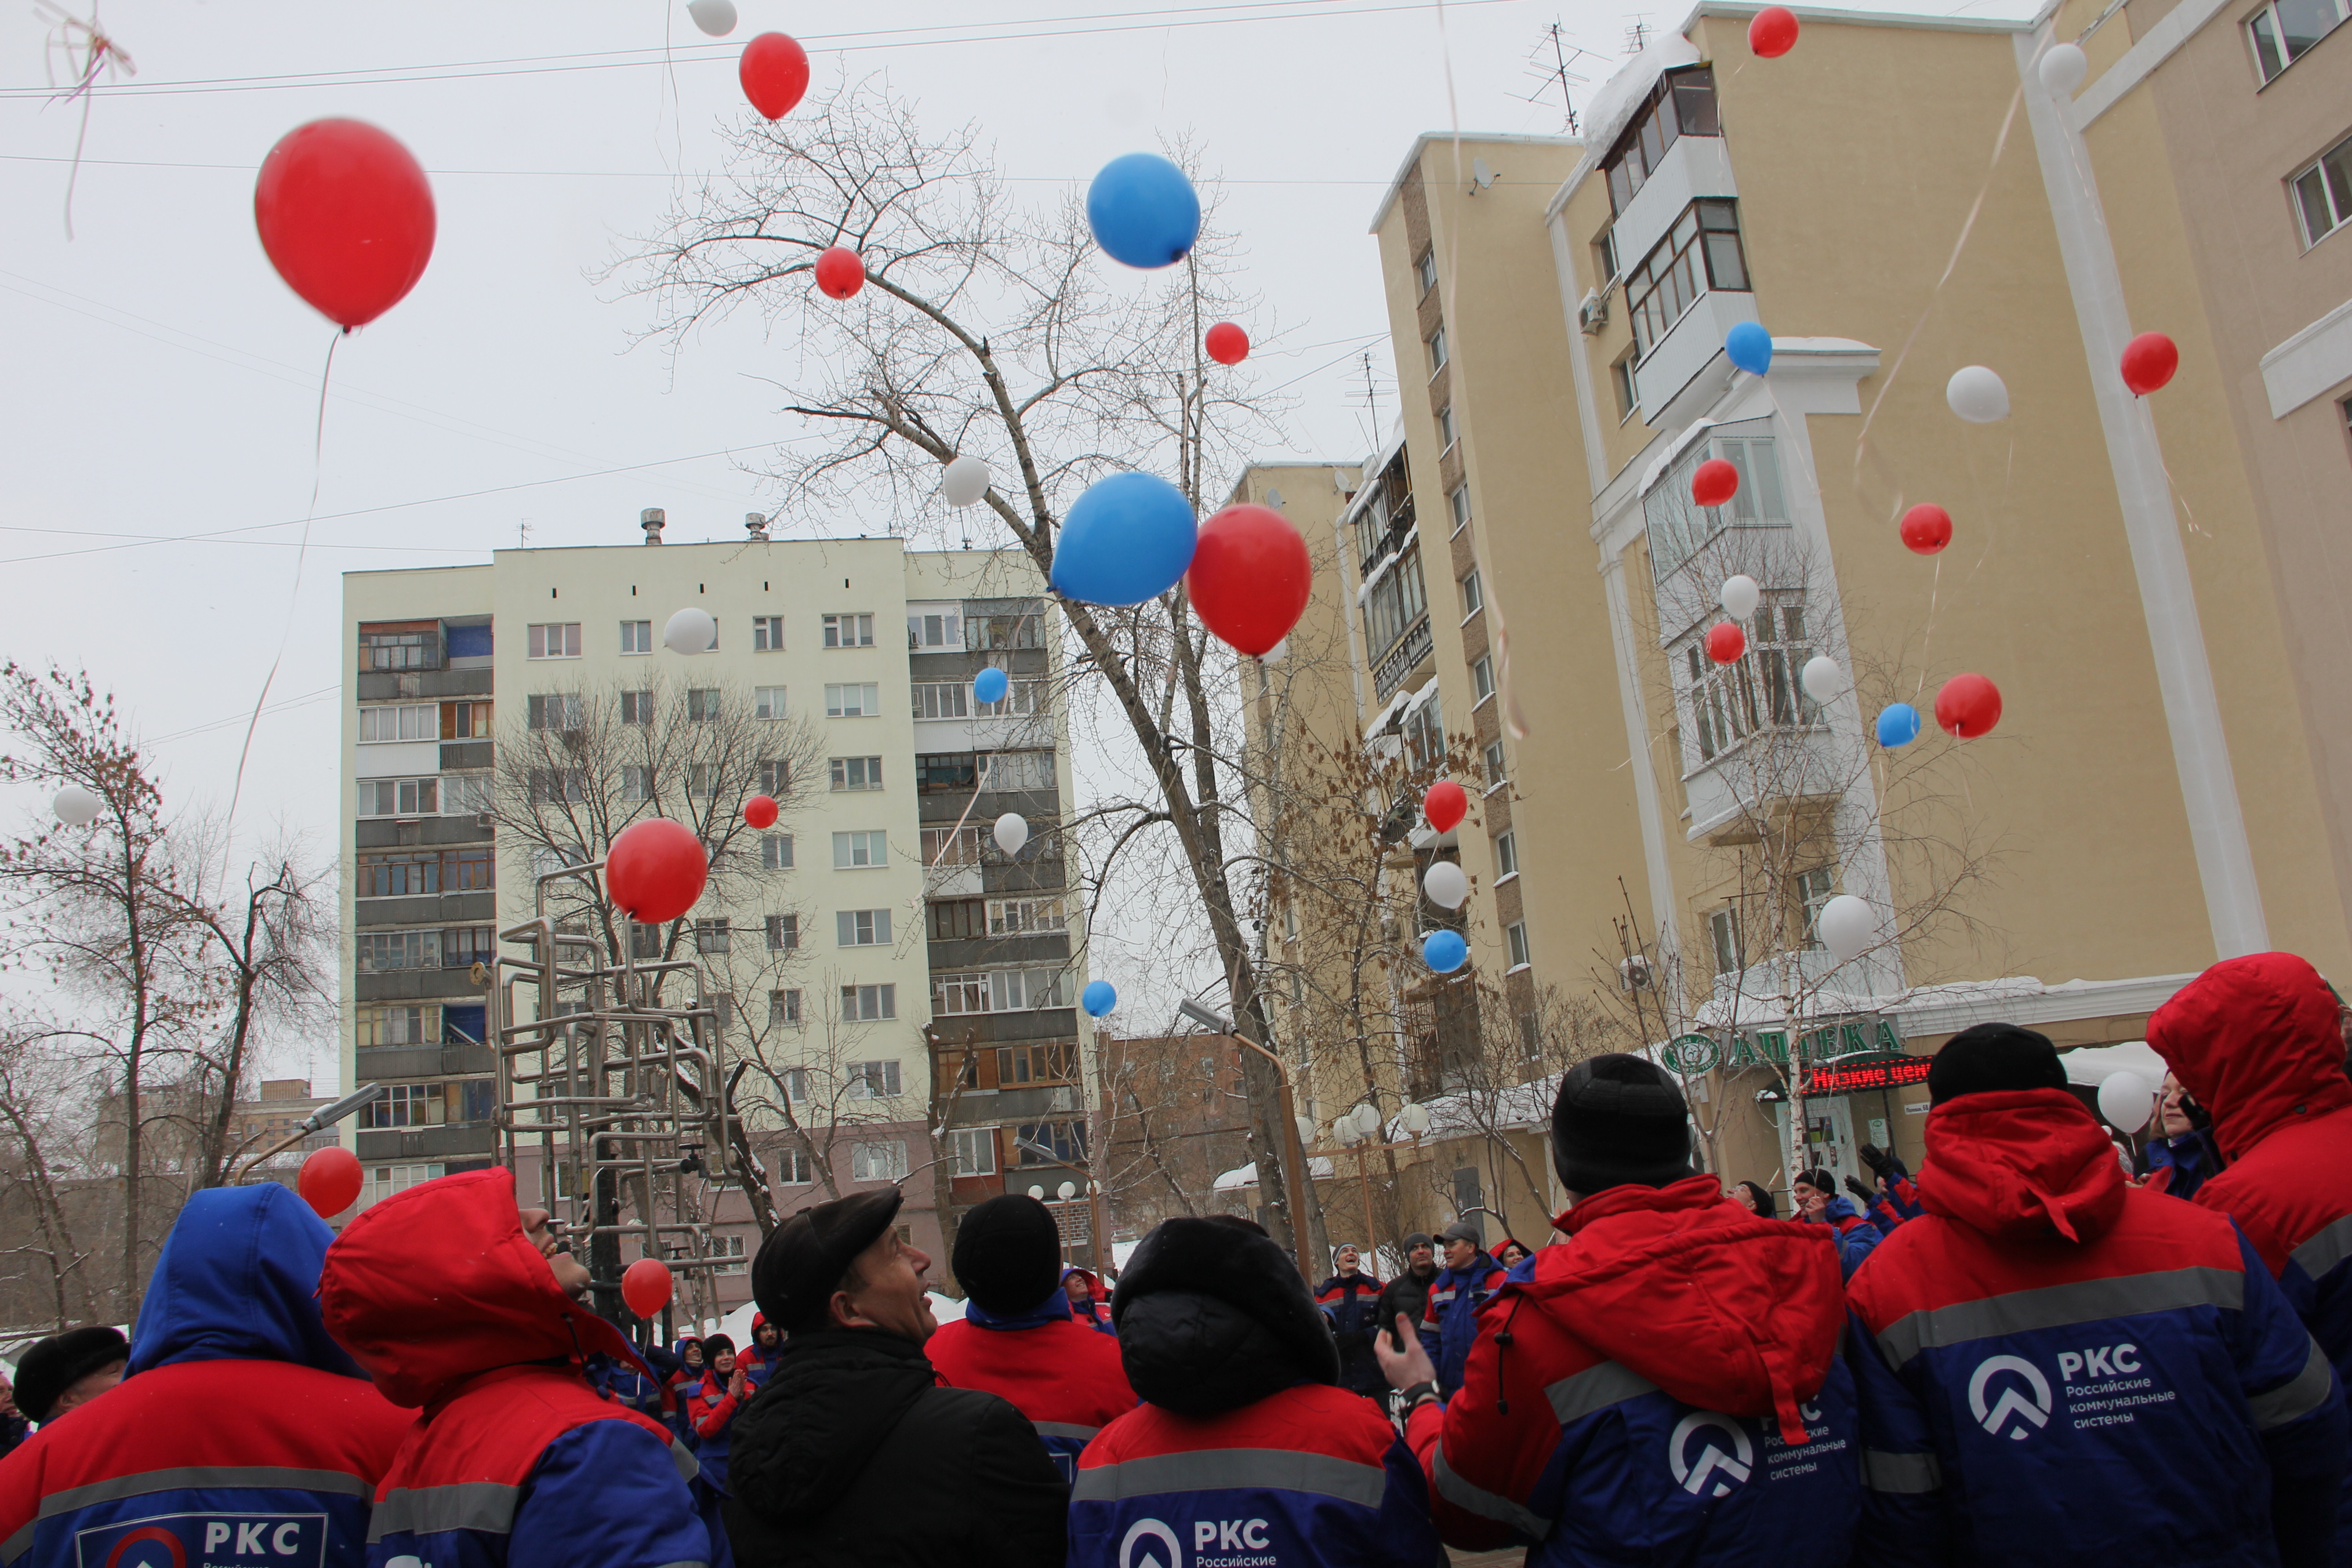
1877 1159
1855 1186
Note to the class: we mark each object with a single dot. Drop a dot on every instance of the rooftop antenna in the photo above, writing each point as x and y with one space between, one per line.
1637 34
1563 54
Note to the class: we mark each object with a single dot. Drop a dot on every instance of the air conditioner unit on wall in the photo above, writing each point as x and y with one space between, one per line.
1633 974
1593 313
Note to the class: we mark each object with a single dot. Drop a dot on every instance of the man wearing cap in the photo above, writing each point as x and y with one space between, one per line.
67 1371
2049 1345
1450 1322
1408 1293
1019 1337
1661 1386
854 1454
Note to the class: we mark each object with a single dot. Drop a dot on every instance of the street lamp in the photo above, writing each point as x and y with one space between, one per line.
1037 1192
317 1122
1066 1191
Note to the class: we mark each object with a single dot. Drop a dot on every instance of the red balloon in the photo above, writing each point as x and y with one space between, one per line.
1714 482
1926 529
1725 642
645 1286
656 869
760 811
2149 361
774 72
1968 706
346 217
329 1182
1226 343
1250 578
839 272
1773 32
1445 804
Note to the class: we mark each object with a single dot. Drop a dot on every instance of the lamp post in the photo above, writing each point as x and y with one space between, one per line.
317 1122
1357 1130
1296 1156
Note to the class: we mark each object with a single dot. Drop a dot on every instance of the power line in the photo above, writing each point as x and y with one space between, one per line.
242 716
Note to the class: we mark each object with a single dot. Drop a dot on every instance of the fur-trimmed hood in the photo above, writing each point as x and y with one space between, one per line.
1211 1317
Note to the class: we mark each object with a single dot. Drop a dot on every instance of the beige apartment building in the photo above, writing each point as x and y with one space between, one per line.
2146 580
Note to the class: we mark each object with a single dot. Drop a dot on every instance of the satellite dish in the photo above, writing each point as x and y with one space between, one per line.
1274 498
1481 175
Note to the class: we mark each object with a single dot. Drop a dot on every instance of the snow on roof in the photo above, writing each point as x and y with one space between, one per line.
1247 1176
1607 112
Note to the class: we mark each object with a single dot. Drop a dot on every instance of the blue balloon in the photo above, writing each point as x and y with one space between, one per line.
1444 951
1898 725
1751 348
988 685
1143 210
1097 998
1127 540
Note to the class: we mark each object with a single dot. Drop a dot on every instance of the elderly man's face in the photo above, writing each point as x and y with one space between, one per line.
885 1291
1459 1250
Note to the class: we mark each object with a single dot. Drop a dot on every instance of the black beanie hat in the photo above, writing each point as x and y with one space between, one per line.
1619 1121
1008 1254
1986 1058
717 1345
800 1264
57 1363
1419 1238
1212 1315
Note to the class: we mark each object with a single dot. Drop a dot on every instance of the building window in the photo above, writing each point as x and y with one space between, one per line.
563 710
767 634
558 786
465 795
637 637
1763 688
1482 676
1815 889
956 920
407 721
1052 1142
2284 32
1044 1061
1020 990
856 773
776 777
873 1080
722 1009
1426 268
951 845
418 648
943 699
554 641
378 951
1700 252
636 782
385 1180
1424 731
766 702
1458 499
1496 772
702 705
710 934
882 1162
858 850
1436 347
1679 528
398 1024
1021 916
942 628
1021 699
1009 771
1445 427
466 721
411 873
853 701
1473 599
1604 257
849 631
783 934
862 928
946 772
775 852
994 633
644 941
1506 855
1682 104
1398 601
868 1003
1723 925
797 1091
400 797
1515 937
701 780
793 1167
975 1151
959 994
1620 382
2323 193
785 1009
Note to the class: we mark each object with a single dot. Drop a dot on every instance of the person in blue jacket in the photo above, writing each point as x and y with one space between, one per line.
2184 1145
1818 1202
2053 1360
1449 1323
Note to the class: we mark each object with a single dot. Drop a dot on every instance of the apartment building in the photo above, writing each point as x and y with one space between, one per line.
878 963
2143 579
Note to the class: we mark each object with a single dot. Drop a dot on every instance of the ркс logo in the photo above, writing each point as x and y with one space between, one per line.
1146 1531
1711 1465
2032 1412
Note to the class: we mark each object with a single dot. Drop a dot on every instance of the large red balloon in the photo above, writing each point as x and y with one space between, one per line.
1725 642
2149 361
760 811
1250 578
1968 706
656 869
1714 482
774 72
645 1286
1773 32
1926 529
839 272
346 217
1226 343
1445 804
330 1180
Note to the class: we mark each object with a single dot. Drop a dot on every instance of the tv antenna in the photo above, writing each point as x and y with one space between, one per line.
1637 34
1563 56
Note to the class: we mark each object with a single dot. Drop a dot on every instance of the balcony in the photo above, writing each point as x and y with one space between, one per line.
1383 545
1400 660
1691 349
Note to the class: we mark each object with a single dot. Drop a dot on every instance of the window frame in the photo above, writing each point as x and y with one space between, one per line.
2334 172
838 770
857 624
975 1140
767 634
1497 763
1482 679
1435 346
1424 269
1515 946
1473 593
869 698
770 703
1457 502
867 841
536 639
1506 855
1671 259
2250 29
875 924
640 633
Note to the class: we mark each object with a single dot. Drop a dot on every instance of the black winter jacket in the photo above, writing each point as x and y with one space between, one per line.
853 1455
1407 1293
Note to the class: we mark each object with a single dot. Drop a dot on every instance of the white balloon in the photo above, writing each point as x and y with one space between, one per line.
715 17
2126 1101
1445 884
1739 597
76 806
1012 832
964 481
1824 678
2063 68
1848 926
689 631
1977 395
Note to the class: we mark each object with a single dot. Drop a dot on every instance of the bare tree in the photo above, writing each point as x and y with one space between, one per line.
38 1107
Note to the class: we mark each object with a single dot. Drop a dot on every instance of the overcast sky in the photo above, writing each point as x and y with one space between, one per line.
163 382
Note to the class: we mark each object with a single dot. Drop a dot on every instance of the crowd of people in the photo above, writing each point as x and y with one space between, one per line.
2027 1349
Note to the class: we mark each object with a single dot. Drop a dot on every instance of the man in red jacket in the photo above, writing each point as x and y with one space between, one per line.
2256 1041
1018 1337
